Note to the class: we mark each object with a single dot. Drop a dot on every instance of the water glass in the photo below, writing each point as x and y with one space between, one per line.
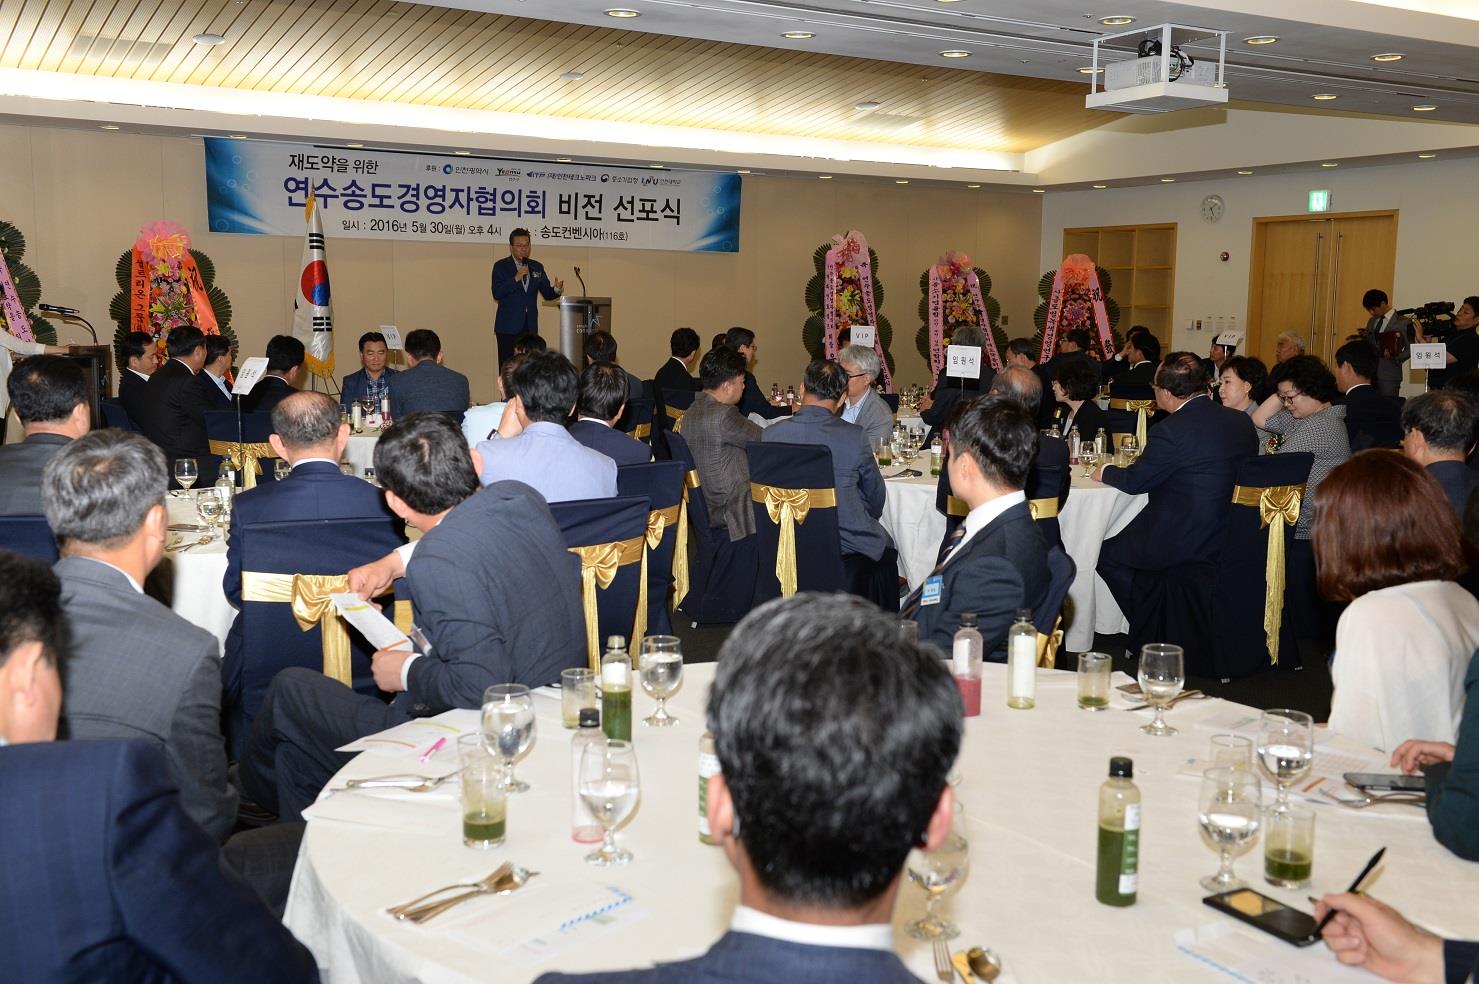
909 630
281 469
1093 681
186 472
1232 752
885 452
1228 809
1289 847
609 787
937 872
1161 677
508 727
210 507
662 674
1286 750
577 692
484 800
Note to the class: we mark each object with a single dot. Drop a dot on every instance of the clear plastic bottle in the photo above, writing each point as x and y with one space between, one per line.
791 396
937 456
1118 870
1022 662
1101 442
1074 440
708 765
616 690
775 392
965 663
584 827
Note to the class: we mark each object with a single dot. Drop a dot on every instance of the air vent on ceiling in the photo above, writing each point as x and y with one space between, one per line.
115 49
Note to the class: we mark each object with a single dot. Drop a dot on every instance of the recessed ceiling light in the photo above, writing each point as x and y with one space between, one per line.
1116 20
955 53
463 153
973 186
1325 96
1426 157
901 181
108 126
1389 56
798 35
1039 191
1090 70
563 160
947 1
1331 164
824 177
743 170
1166 181
354 146
209 40
1424 108
868 105
1256 39
623 12
238 136
1100 187
572 76
1245 173
657 166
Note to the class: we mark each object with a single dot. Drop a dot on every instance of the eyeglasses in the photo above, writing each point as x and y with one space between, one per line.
855 375
1288 398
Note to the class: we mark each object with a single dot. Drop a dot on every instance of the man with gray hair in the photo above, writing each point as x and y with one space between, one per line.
863 406
1438 432
1288 345
136 669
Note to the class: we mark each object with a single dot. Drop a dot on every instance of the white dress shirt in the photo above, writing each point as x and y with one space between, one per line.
219 381
871 936
980 517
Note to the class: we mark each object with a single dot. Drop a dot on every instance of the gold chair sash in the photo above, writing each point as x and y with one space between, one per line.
642 431
1043 508
245 458
309 594
598 565
1278 507
1048 644
1141 407
955 506
680 548
658 520
787 508
675 413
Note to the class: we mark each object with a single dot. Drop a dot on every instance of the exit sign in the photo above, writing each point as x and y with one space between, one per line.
1319 201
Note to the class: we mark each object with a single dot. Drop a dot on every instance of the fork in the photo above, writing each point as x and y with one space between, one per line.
1362 802
497 874
509 883
944 969
410 783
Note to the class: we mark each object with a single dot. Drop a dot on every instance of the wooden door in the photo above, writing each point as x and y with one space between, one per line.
1363 256
1290 258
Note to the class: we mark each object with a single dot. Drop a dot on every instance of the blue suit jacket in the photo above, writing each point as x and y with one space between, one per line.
110 880
215 399
620 448
518 308
745 957
429 386
1188 467
353 387
860 492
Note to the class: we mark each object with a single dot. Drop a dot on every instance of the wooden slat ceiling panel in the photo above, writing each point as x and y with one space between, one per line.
379 50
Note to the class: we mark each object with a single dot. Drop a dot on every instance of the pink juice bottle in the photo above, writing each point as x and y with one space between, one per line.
965 663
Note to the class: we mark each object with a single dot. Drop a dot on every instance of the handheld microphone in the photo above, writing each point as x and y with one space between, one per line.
57 309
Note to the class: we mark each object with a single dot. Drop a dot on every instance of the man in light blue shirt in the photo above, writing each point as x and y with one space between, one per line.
542 454
862 405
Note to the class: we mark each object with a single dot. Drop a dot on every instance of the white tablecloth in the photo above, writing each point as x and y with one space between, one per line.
1093 513
360 452
1029 787
197 573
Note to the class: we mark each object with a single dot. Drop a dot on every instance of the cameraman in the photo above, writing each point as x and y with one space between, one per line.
1460 337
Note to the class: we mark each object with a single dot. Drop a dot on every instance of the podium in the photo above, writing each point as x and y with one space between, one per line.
579 316
97 364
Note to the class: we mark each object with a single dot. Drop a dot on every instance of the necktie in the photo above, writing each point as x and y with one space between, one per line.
911 603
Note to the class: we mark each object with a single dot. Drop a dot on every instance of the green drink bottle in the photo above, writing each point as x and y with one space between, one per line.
1118 873
616 690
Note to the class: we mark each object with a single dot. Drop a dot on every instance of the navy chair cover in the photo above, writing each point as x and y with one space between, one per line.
721 581
892 399
1061 572
1240 645
271 639
220 425
29 536
1175 606
115 416
818 545
662 483
588 522
636 420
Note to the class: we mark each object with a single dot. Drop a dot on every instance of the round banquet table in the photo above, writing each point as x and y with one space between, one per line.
1093 513
1028 782
197 572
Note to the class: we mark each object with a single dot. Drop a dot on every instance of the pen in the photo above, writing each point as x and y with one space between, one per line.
1355 887
436 746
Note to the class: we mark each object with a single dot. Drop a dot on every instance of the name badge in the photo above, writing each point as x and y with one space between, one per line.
933 586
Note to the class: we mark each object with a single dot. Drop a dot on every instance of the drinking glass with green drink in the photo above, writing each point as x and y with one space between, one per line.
484 801
1093 681
1289 847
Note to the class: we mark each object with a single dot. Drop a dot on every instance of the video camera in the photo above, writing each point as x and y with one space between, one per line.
1436 317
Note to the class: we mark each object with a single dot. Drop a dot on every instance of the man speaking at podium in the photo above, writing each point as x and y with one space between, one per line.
518 283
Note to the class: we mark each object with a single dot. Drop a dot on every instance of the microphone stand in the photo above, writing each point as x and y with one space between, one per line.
73 318
583 291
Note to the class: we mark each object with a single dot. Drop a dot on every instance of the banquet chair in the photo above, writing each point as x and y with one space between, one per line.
1245 602
115 416
1132 410
662 483
1176 605
674 403
721 586
1047 493
288 572
1048 618
29 536
636 420
892 399
221 431
794 494
610 538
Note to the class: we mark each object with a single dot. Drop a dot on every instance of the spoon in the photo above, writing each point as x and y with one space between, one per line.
198 543
984 963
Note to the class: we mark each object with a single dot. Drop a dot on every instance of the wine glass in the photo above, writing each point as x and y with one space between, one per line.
1228 810
662 674
508 727
209 505
1130 448
1089 457
1161 676
281 469
609 786
1286 750
186 472
937 872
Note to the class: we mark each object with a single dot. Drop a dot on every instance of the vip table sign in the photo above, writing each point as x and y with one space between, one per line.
392 337
259 187
1029 784
863 335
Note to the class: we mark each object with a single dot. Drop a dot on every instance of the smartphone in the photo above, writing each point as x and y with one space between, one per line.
1269 915
1387 783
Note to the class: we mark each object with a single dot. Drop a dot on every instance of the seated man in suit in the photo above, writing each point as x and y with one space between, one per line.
142 357
1372 419
936 409
482 422
1076 345
1187 467
427 386
111 880
285 356
1142 355
212 378
676 374
529 342
998 560
819 830
1438 430
717 433
1112 368
600 346
49 394
862 405
742 340
1049 477
870 564
174 417
473 605
534 446
603 396
136 669
372 380
1288 345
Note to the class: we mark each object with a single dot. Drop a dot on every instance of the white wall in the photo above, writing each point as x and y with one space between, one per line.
1435 247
